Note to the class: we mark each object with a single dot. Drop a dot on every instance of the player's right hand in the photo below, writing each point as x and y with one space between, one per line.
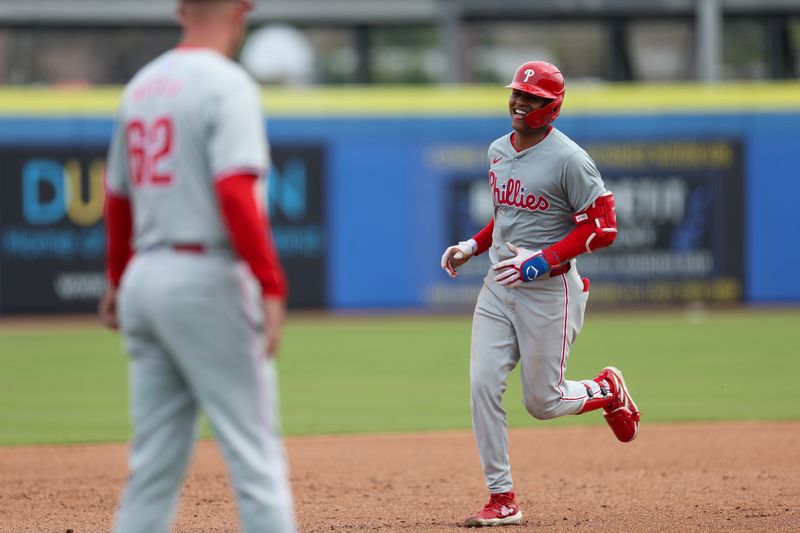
107 309
526 265
457 255
274 313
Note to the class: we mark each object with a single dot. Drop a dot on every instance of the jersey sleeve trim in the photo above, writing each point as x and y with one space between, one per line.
239 171
116 193
111 190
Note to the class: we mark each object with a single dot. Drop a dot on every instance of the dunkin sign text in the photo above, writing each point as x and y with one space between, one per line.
514 195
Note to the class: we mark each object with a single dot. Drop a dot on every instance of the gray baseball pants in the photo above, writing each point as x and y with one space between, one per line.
192 326
534 325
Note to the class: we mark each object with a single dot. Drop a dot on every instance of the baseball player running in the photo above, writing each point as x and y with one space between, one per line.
550 205
201 301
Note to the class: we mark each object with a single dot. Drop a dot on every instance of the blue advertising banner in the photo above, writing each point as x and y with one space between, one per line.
680 218
51 229
369 186
297 213
679 212
52 240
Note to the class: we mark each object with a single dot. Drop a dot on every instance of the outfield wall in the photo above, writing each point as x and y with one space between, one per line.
370 185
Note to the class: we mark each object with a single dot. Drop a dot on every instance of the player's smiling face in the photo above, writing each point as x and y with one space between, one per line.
520 104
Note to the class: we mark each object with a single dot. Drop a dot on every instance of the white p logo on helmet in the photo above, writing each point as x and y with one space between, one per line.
528 73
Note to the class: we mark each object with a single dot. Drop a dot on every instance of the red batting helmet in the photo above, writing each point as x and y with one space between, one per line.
540 79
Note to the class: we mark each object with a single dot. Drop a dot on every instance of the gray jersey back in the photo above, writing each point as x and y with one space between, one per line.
536 191
187 118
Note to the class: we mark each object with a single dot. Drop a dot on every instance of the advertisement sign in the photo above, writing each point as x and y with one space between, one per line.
52 241
681 223
680 218
297 211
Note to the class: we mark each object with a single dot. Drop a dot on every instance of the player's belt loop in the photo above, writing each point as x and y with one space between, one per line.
560 270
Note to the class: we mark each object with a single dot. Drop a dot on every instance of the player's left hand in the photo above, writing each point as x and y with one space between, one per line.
526 265
274 314
455 256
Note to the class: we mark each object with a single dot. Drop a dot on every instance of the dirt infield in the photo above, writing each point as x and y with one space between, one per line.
703 477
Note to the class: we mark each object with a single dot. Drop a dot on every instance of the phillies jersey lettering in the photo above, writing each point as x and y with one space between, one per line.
537 191
513 194
185 120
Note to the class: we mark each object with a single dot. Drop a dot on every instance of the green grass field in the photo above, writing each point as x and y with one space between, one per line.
67 384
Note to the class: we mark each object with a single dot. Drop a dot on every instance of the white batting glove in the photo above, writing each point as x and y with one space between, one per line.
526 265
457 255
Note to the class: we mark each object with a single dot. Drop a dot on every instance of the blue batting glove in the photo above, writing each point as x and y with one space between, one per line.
533 268
526 265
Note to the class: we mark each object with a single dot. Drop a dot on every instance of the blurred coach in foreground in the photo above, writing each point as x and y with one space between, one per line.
201 301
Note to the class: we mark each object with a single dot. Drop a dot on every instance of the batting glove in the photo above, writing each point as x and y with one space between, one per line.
457 255
526 265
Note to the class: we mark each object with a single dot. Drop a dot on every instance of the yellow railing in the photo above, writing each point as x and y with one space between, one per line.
439 101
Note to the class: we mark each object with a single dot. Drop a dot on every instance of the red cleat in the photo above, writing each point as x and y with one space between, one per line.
621 414
501 510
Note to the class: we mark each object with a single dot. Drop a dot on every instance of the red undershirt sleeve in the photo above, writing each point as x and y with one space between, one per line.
484 237
250 232
570 246
119 229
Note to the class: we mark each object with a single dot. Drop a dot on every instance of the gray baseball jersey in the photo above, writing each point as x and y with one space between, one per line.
187 118
535 192
192 321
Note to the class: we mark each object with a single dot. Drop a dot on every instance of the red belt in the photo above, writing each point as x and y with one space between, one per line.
557 271
189 248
